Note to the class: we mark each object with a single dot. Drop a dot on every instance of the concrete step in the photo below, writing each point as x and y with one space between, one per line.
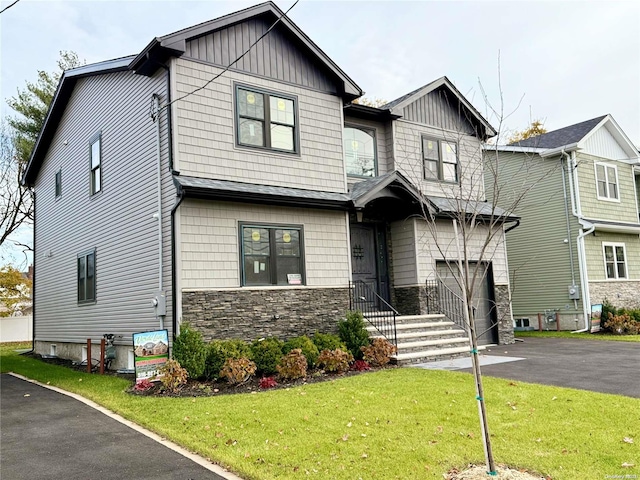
400 327
405 346
406 318
433 354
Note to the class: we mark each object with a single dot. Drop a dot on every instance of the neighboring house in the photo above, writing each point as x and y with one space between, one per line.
579 242
250 207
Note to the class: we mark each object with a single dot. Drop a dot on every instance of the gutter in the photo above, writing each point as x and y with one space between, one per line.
582 258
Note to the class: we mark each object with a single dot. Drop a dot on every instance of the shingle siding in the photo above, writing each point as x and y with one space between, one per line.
206 136
595 255
403 239
210 242
118 221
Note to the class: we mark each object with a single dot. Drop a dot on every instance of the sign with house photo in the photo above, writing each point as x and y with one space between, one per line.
151 352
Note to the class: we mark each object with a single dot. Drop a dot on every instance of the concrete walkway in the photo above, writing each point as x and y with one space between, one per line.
45 435
596 365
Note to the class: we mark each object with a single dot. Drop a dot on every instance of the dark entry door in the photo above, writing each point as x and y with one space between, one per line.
483 303
369 263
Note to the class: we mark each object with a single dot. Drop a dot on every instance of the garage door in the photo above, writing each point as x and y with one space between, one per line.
482 302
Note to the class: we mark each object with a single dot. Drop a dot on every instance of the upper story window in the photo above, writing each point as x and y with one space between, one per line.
615 260
440 159
272 255
95 154
266 120
360 152
607 181
58 183
87 277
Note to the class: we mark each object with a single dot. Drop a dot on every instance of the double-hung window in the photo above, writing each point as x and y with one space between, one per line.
360 151
271 255
87 277
266 120
607 181
615 260
440 158
95 156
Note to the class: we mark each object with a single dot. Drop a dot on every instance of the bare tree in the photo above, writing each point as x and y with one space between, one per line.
16 200
462 224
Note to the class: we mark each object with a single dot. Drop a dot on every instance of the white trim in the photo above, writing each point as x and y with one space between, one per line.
511 148
416 249
614 245
606 166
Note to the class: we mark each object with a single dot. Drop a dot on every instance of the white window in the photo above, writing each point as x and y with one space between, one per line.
607 181
615 260
95 155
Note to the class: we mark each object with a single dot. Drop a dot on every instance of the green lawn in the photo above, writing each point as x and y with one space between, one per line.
398 423
583 336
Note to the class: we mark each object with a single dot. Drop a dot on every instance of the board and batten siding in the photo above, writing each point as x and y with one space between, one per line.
437 242
210 249
279 55
539 259
206 142
626 210
595 254
117 222
409 160
403 241
441 109
602 144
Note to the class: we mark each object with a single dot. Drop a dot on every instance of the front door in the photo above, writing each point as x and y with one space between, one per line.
482 302
369 264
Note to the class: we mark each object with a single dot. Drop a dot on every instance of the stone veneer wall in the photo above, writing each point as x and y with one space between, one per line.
249 314
620 294
414 301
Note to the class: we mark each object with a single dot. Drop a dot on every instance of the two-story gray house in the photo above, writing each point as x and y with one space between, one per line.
579 242
252 200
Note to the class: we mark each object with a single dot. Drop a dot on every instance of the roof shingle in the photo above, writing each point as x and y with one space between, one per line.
561 137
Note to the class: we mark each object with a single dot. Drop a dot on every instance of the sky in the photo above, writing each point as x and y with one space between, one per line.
561 62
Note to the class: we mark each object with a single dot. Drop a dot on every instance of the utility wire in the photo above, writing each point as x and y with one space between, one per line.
232 63
8 7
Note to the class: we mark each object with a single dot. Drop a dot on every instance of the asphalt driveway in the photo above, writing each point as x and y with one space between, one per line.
596 365
44 435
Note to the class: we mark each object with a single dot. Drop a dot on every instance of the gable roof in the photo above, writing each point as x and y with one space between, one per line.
561 137
396 106
174 44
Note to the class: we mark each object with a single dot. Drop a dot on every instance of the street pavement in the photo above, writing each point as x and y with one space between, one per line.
45 435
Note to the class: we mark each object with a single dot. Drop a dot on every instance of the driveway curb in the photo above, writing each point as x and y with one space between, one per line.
217 469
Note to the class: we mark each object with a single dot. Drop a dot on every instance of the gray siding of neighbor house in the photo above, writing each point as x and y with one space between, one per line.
539 260
117 222
277 56
439 109
206 136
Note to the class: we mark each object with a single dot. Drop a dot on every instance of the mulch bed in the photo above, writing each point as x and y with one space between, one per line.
206 388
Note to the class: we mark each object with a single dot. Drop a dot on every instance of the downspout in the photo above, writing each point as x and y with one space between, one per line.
566 213
582 258
160 298
33 281
174 304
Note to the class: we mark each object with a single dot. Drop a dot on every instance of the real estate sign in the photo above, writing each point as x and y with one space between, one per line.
151 352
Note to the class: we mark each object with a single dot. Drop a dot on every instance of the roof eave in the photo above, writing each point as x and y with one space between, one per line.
552 152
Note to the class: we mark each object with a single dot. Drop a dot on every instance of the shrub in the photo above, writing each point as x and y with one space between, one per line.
335 361
304 343
360 366
190 351
219 350
293 365
622 324
328 341
174 377
353 333
237 370
379 352
143 385
266 353
268 382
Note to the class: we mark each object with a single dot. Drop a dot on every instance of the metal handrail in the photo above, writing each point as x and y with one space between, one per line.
448 303
375 309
